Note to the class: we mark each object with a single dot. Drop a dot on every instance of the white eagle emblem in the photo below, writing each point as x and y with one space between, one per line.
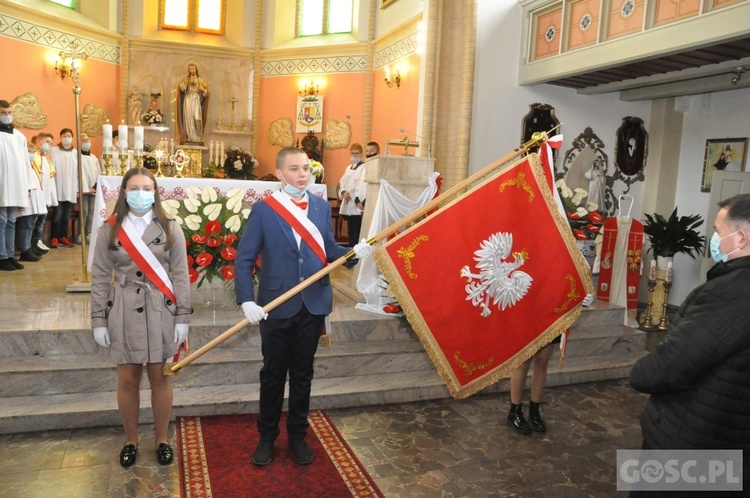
498 279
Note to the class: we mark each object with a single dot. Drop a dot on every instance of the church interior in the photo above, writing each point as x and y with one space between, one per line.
642 91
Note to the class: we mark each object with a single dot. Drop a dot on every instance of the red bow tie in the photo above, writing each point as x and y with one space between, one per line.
300 204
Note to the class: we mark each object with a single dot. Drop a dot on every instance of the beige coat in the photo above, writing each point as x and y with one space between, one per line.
139 317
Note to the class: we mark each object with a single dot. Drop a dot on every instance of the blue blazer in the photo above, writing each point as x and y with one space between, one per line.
283 264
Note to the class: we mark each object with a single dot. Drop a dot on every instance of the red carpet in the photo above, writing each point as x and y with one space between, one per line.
214 455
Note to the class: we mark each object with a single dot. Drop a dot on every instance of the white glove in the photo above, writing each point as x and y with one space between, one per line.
588 300
180 333
363 249
101 336
253 312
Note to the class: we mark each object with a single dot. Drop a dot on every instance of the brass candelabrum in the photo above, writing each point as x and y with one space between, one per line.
663 323
122 156
107 156
648 323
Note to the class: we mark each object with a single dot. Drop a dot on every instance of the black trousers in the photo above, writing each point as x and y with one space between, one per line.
289 346
353 225
60 218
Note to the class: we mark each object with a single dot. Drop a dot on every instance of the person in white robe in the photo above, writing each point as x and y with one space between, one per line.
349 191
14 189
90 176
65 160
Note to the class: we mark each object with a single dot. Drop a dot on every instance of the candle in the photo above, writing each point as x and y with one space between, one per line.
223 154
652 272
138 144
211 152
668 277
171 146
107 135
122 133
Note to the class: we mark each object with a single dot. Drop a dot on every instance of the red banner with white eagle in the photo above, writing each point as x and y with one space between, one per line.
490 278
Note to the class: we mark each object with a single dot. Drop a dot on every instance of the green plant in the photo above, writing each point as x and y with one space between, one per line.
674 235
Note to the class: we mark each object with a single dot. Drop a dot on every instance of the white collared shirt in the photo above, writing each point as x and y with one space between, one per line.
141 222
305 198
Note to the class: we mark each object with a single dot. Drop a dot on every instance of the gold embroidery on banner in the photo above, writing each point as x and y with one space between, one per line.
572 294
519 182
408 253
634 260
470 368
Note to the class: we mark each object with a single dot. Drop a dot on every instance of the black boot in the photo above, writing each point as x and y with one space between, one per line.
515 418
535 419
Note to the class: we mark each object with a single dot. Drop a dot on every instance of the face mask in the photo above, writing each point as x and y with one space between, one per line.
140 201
354 160
6 120
716 253
86 146
67 141
44 148
31 156
294 191
371 155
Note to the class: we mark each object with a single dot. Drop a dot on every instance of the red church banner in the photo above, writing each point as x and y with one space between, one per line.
490 278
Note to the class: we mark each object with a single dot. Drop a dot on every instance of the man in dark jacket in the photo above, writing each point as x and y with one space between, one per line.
699 377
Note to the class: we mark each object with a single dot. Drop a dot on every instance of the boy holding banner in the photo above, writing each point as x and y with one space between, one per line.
142 314
291 232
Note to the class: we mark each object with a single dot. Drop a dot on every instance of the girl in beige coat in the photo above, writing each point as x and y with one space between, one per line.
130 315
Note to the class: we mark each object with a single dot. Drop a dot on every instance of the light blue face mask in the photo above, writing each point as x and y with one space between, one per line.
716 253
294 191
140 201
86 146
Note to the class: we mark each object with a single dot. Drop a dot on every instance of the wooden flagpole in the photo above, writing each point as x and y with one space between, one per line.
536 139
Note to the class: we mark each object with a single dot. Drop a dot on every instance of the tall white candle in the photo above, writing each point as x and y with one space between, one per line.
106 135
652 271
223 153
669 276
211 152
138 137
122 134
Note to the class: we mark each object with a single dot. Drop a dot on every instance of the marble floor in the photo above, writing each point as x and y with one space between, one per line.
446 448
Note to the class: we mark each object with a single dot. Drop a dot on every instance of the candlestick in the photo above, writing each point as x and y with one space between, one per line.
211 152
106 135
171 146
663 322
138 141
122 135
648 322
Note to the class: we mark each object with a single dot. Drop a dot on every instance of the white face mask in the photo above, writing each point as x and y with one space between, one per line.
67 141
86 146
45 148
6 120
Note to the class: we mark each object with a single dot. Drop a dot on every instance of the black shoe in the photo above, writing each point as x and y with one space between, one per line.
535 419
263 452
39 250
301 452
128 455
164 454
15 263
29 256
516 419
6 265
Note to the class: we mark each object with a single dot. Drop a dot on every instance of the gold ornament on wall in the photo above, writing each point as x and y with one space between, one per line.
27 113
338 134
281 132
92 119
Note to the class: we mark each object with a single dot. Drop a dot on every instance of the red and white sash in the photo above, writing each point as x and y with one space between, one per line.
144 258
300 223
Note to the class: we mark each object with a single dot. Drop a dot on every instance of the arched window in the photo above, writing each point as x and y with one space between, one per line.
65 3
324 17
201 16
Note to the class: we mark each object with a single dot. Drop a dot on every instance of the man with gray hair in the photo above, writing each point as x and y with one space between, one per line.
698 378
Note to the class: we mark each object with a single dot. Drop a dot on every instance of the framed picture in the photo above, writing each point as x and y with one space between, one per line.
722 154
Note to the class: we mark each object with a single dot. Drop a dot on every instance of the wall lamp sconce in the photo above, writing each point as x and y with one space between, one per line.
308 88
737 75
393 78
70 61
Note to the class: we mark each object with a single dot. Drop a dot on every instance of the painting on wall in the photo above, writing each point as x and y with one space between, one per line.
722 154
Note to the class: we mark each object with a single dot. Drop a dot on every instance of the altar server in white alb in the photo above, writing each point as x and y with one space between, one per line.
90 176
65 160
142 312
26 217
14 189
350 190
46 172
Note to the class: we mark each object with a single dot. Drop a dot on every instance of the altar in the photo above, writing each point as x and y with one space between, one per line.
108 188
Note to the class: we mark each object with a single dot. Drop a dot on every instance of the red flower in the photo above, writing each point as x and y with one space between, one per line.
592 227
229 253
227 272
579 234
212 228
595 217
213 242
190 261
229 239
204 259
193 274
573 215
199 239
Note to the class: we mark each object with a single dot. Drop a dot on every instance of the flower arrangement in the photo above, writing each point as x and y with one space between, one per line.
239 164
153 116
317 170
584 218
212 227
